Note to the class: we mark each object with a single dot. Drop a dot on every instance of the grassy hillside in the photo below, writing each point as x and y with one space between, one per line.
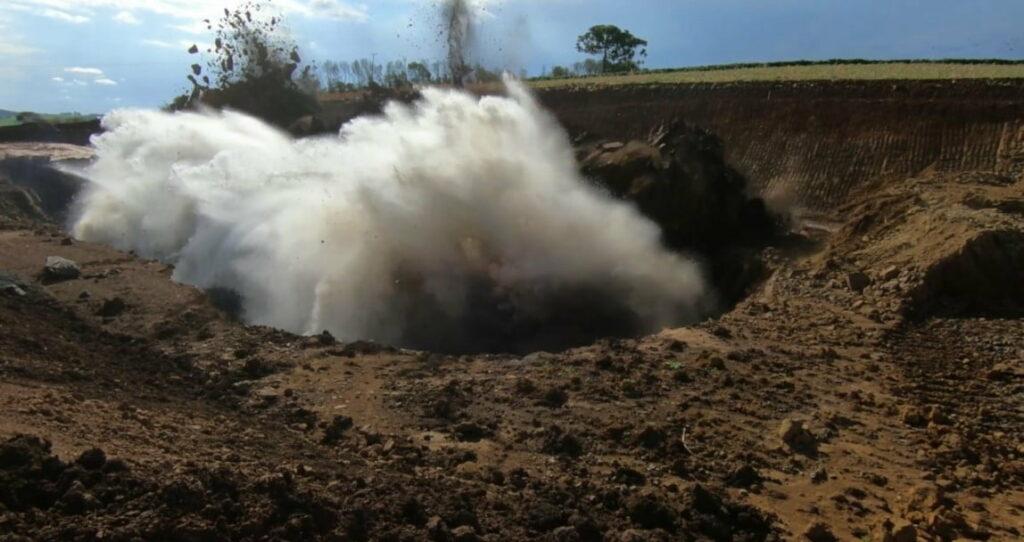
804 72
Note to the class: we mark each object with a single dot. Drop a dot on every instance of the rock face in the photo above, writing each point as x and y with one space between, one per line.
816 143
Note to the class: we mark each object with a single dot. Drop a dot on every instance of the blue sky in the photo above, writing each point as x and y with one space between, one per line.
95 55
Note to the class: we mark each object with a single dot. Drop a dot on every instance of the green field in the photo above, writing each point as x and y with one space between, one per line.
52 119
814 72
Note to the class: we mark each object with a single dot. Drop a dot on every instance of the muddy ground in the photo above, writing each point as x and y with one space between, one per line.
869 388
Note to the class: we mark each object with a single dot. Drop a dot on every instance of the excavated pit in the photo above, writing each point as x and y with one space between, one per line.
698 159
676 178
243 431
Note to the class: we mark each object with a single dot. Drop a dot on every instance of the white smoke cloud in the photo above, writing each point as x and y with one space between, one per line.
454 223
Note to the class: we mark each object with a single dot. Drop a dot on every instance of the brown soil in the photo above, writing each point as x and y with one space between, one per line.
870 389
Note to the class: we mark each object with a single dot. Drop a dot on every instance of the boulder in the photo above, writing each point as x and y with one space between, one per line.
60 269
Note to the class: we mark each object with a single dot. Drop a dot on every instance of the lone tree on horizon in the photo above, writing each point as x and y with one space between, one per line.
618 48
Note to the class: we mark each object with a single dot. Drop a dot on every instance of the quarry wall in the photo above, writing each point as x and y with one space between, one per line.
812 143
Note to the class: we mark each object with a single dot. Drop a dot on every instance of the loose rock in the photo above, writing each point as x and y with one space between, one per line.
59 269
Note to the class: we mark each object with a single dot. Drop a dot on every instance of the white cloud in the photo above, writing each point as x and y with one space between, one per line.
106 81
336 9
197 27
193 10
180 45
64 16
58 79
126 17
16 49
84 71
160 43
9 43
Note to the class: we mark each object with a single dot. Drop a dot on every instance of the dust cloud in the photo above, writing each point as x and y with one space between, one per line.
455 224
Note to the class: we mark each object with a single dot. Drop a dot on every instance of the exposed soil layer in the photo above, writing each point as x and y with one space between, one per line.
813 143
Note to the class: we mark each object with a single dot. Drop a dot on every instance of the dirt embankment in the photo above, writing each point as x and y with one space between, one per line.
814 143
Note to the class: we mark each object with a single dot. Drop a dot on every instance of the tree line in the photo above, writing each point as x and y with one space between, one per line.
342 75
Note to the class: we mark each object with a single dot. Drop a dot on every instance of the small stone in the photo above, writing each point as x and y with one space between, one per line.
796 436
545 517
857 281
1003 372
922 500
112 307
902 531
464 533
337 429
889 273
937 416
267 393
437 530
326 339
58 269
471 432
92 459
565 534
745 477
12 290
652 437
819 532
555 398
649 512
914 417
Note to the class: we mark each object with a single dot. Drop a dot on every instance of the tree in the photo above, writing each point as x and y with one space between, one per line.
618 48
396 74
419 73
560 71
